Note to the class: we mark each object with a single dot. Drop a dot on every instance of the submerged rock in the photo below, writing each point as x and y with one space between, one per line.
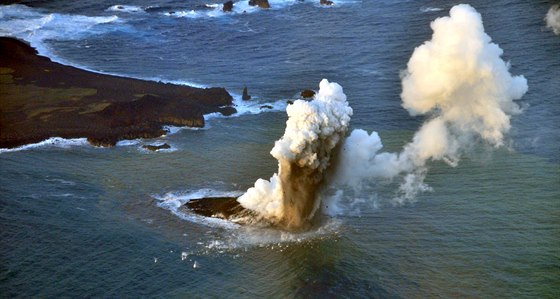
227 111
326 2
260 3
154 148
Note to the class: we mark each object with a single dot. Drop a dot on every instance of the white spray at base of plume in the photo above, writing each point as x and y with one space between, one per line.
313 130
553 19
460 81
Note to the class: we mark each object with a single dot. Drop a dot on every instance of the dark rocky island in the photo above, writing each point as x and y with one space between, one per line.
40 99
226 208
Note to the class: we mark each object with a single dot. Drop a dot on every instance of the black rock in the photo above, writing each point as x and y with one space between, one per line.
308 93
266 107
155 148
259 3
246 95
217 207
228 6
326 2
227 111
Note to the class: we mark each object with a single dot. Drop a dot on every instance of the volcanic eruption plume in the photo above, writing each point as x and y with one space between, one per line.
457 80
460 82
304 153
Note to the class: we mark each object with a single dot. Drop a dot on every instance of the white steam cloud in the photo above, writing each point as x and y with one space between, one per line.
457 80
553 19
460 82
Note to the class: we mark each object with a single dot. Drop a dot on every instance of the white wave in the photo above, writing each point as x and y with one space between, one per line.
249 108
61 181
184 14
54 142
125 8
430 9
241 7
175 82
255 107
172 130
35 26
128 142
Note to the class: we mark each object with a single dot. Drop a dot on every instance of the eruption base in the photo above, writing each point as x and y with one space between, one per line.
229 209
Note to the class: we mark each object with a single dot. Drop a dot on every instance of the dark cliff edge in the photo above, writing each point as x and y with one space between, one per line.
40 99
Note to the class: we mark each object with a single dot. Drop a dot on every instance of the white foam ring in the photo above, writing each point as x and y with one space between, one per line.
238 236
250 236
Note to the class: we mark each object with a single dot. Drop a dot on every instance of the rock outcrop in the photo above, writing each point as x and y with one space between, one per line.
228 6
260 3
245 95
308 93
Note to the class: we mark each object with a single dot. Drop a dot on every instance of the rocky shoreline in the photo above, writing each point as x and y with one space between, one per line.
40 99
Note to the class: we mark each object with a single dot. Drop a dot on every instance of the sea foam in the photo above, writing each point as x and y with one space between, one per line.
54 142
126 8
238 236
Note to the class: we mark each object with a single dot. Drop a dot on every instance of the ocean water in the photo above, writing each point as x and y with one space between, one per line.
79 221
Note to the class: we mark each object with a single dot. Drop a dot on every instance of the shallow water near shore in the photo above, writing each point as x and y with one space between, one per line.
82 221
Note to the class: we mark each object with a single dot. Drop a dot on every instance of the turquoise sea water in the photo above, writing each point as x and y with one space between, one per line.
79 221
